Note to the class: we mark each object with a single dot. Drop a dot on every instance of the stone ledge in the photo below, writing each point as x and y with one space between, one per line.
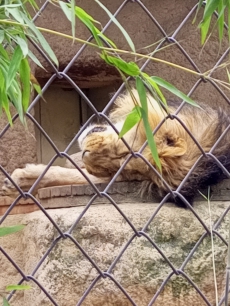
121 188
80 195
22 207
74 195
126 190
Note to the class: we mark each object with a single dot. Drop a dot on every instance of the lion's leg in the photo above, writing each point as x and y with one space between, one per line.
55 176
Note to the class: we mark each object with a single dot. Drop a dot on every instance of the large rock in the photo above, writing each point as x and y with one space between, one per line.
102 232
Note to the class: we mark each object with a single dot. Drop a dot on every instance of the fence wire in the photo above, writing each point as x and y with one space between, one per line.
137 234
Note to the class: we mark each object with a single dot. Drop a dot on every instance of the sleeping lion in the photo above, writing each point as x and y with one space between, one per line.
103 152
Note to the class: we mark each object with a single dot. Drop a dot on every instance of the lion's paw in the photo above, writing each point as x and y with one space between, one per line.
8 188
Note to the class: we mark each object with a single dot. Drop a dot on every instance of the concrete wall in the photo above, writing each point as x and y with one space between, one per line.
58 115
90 71
17 145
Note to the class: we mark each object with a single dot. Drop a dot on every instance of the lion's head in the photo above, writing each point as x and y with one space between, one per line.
103 151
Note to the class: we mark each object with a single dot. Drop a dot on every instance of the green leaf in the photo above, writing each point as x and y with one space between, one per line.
155 87
144 112
17 287
35 84
161 82
220 20
87 20
117 23
24 71
204 29
2 36
10 5
4 53
35 59
69 11
129 68
228 10
2 85
142 94
105 38
23 45
6 107
15 12
66 10
15 96
83 13
150 139
3 96
14 65
73 21
5 302
10 230
130 121
33 4
41 40
210 8
38 89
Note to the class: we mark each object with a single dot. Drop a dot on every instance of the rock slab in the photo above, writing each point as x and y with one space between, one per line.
102 232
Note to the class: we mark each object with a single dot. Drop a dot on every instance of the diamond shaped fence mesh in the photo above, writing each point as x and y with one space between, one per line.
166 40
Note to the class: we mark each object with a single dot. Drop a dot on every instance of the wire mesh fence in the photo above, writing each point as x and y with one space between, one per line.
174 270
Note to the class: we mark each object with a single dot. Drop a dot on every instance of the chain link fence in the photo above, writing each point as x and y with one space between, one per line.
166 40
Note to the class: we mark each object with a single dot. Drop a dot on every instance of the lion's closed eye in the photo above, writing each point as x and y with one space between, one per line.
97 129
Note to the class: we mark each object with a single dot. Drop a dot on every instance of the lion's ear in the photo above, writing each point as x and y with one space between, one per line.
174 146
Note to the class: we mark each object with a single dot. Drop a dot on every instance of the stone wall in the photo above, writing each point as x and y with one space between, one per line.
102 232
17 145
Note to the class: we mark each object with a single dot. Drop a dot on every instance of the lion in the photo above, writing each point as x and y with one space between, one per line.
192 143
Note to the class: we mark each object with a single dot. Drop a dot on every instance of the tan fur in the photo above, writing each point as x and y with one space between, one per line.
104 153
107 152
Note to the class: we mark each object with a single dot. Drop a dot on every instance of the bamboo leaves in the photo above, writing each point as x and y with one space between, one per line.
220 7
129 68
161 82
15 75
10 230
144 112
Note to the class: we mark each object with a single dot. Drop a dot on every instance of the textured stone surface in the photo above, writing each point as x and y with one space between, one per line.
17 145
102 233
80 195
76 195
